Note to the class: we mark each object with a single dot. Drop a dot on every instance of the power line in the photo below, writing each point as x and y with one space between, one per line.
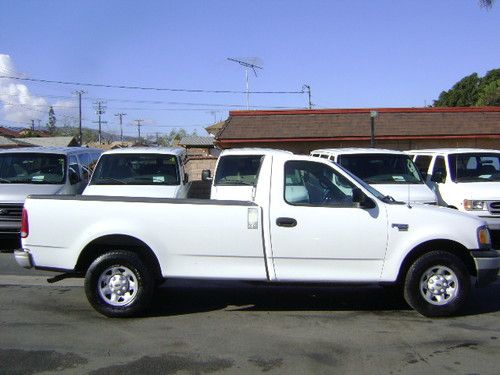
147 102
147 88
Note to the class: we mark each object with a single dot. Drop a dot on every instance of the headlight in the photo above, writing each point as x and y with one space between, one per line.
483 237
471 205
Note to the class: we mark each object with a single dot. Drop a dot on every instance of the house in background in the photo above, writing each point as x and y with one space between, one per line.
49 141
302 131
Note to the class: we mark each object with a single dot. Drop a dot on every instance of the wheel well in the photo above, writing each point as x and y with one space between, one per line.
118 242
443 245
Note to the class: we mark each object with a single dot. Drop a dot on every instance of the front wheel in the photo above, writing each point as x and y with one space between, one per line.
118 284
437 284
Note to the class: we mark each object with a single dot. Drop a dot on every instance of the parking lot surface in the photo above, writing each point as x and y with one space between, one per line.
207 327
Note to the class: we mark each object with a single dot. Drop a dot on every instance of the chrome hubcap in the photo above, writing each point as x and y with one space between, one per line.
118 286
439 285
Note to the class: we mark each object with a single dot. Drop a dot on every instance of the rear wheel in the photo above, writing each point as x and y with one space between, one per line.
119 284
437 284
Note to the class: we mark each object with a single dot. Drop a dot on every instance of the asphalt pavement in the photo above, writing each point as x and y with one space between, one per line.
208 327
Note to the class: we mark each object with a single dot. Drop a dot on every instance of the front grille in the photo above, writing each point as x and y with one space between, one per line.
11 212
494 208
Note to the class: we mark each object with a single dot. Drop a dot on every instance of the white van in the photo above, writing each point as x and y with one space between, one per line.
38 170
391 172
140 172
467 179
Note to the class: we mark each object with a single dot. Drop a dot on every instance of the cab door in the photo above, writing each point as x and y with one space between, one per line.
318 233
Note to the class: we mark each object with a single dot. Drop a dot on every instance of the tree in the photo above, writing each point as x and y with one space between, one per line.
51 125
472 90
486 3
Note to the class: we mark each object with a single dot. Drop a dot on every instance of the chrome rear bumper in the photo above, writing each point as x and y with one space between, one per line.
23 258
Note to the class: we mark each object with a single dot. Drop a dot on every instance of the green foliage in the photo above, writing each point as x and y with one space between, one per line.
473 90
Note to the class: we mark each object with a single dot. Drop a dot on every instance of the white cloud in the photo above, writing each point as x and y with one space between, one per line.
19 105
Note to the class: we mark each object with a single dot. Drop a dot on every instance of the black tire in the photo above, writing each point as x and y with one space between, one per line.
437 284
119 284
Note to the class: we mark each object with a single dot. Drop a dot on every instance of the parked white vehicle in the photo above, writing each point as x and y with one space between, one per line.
308 220
140 172
391 172
467 179
38 170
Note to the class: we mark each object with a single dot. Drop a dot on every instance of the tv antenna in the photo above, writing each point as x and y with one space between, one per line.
247 65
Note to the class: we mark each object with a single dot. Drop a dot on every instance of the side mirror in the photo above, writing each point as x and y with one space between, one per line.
206 175
186 178
439 177
362 200
74 178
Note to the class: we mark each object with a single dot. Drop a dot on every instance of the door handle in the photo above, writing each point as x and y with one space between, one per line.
286 222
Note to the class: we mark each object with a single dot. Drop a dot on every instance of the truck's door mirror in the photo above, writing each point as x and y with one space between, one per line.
439 177
206 175
361 199
74 178
186 178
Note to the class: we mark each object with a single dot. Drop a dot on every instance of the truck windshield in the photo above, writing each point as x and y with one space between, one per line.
32 168
382 168
136 169
238 170
474 167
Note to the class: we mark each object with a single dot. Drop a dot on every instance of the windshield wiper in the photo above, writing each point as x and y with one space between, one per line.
3 180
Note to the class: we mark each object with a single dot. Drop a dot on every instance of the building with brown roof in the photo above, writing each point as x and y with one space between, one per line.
396 128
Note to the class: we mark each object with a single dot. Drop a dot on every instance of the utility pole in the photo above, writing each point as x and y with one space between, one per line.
120 115
80 136
33 125
139 129
100 109
307 88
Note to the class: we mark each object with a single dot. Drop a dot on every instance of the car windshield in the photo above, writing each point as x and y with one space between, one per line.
475 167
370 188
382 168
136 169
32 168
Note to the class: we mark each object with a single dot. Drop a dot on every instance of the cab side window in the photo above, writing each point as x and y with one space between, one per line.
309 183
439 170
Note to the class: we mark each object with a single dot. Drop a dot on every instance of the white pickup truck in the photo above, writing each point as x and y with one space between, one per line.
306 220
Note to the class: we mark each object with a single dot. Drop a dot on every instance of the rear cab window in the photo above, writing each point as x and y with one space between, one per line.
238 170
136 169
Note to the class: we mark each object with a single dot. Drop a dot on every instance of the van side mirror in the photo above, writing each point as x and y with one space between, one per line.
362 200
206 175
186 178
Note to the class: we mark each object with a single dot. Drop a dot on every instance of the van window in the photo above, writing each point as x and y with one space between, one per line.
382 168
308 183
422 162
32 168
238 170
474 167
439 169
136 169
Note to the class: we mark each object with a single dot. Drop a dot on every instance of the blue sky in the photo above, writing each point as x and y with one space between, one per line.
353 54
